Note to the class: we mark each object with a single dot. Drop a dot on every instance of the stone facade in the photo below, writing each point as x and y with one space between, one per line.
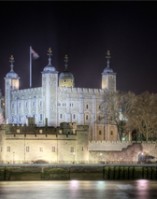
59 123
55 103
65 144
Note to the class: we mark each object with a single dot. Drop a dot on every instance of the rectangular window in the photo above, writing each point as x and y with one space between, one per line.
73 116
40 117
27 148
41 149
40 104
72 149
53 149
99 132
60 116
8 149
86 117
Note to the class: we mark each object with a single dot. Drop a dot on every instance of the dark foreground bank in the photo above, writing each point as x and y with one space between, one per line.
79 172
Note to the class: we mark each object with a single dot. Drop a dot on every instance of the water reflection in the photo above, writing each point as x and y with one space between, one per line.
140 189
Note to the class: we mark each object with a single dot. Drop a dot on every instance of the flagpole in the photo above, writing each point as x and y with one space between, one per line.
30 65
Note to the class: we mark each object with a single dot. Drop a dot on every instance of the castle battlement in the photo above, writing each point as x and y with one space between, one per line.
81 91
24 93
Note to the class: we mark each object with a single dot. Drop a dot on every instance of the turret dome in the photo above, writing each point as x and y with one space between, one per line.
12 74
66 78
49 68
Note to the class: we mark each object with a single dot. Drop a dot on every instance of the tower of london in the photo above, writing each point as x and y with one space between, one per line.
60 123
58 100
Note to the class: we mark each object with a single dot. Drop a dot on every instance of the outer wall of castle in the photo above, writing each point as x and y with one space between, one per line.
68 149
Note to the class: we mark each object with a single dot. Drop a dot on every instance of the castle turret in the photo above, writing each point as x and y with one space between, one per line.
11 84
66 78
108 76
49 92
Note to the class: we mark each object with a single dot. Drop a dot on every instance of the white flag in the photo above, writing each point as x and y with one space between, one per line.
34 54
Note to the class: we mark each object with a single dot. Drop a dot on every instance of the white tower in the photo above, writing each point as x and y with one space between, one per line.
11 84
49 92
108 76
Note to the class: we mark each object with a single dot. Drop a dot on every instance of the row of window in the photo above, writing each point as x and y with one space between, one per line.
41 149
71 105
27 104
74 117
40 105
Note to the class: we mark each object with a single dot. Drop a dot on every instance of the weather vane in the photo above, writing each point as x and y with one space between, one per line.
108 57
66 58
11 60
49 52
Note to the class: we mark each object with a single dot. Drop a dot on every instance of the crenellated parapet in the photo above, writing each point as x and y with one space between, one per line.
26 93
83 91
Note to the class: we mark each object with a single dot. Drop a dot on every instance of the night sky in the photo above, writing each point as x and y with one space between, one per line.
84 31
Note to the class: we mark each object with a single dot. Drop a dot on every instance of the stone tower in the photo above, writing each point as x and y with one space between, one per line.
49 92
108 76
11 84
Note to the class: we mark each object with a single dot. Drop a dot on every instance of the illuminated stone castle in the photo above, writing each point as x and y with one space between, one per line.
58 100
59 123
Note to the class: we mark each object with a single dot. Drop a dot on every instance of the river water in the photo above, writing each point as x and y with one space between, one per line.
74 189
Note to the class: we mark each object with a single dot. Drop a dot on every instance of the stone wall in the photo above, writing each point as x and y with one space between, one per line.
120 152
51 147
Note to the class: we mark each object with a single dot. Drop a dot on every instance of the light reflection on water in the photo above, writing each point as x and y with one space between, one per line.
74 189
